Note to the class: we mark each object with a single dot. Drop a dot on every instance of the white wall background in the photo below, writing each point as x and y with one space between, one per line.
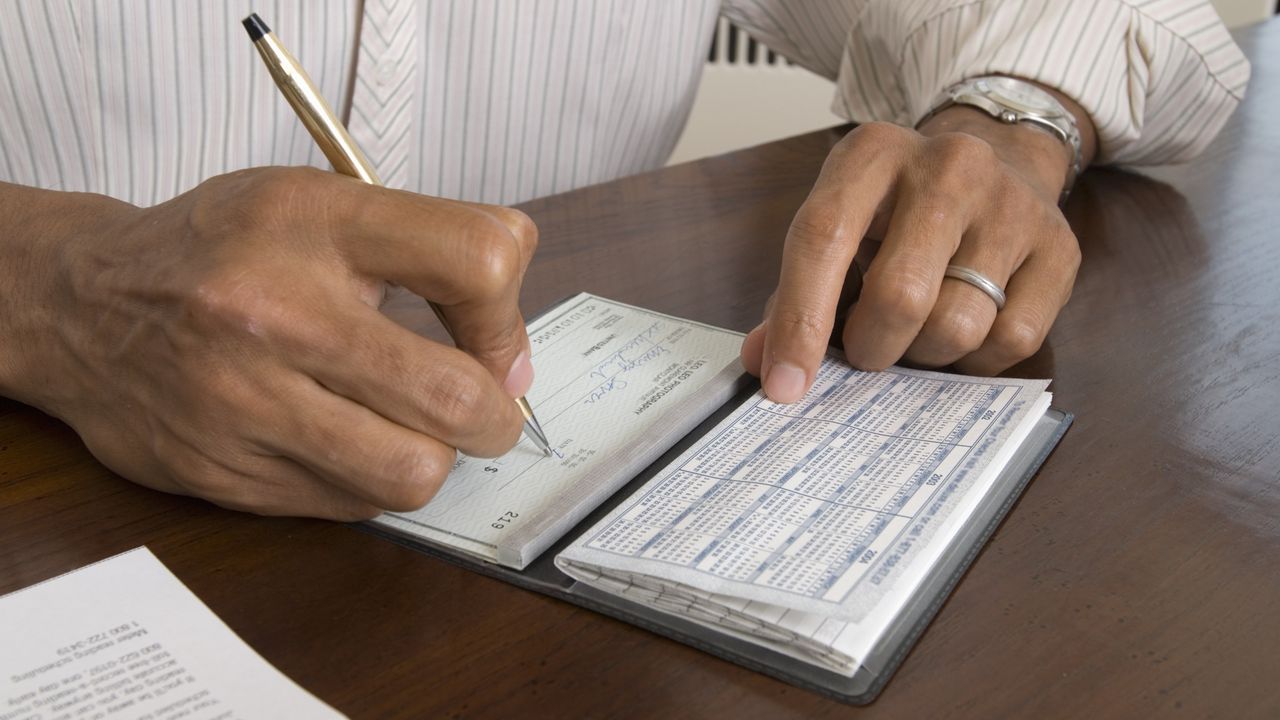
731 110
1243 12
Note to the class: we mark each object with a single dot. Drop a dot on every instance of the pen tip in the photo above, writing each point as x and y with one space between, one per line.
534 431
256 27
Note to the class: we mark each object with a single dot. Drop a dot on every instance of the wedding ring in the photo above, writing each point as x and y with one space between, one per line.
978 280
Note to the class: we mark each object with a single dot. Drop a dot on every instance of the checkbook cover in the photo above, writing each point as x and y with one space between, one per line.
877 668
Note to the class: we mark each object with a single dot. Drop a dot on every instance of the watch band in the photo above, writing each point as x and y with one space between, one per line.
1047 113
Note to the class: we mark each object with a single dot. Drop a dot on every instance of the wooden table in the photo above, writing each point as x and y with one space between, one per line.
1139 576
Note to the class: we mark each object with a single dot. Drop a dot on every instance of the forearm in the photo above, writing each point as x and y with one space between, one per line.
38 231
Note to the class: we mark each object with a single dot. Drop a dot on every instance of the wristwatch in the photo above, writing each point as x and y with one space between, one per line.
1012 101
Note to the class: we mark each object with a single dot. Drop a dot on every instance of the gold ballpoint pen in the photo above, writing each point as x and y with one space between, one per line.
339 148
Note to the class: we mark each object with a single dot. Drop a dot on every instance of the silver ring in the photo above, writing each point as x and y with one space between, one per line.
978 280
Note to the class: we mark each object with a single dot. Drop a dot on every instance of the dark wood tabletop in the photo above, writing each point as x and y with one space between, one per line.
1138 576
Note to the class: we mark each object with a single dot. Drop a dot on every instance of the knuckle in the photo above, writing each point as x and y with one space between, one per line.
194 474
235 302
1018 337
250 201
903 298
321 442
804 324
1070 246
935 216
493 258
818 232
815 223
961 160
416 475
957 331
868 144
521 226
1059 236
276 192
455 400
172 457
498 348
963 150
876 134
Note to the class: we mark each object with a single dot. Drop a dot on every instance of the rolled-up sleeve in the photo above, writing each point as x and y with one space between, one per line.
1158 78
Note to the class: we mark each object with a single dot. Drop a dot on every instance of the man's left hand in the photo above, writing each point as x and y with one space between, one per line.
964 190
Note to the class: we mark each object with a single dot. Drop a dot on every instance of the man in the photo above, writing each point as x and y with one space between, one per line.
226 342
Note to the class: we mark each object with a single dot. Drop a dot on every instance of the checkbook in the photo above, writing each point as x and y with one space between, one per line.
813 542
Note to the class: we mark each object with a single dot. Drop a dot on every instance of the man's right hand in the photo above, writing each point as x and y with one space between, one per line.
227 344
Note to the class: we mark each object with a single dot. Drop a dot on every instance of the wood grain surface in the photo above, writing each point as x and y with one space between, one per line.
1139 575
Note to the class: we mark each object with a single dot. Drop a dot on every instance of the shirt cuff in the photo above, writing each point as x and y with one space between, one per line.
1158 81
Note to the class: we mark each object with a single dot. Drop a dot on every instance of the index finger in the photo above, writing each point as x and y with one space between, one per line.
466 259
820 246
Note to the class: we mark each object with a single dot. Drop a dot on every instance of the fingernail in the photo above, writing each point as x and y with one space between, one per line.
520 377
785 384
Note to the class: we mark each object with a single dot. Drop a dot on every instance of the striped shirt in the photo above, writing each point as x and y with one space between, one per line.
501 102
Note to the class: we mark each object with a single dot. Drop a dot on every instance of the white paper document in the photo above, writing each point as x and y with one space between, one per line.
615 387
806 527
124 638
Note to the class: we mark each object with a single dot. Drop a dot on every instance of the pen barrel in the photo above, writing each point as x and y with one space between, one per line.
320 121
315 113
340 149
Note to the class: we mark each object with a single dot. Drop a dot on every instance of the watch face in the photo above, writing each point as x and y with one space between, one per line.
1020 95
